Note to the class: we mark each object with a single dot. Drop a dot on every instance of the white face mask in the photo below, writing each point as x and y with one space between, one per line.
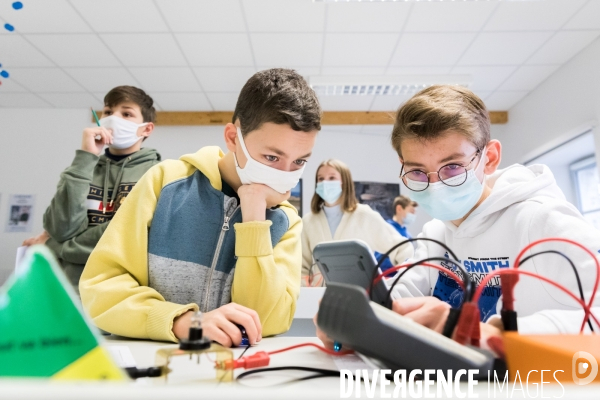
256 172
124 132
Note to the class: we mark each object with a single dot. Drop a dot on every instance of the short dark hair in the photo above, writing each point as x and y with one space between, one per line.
280 96
122 94
404 201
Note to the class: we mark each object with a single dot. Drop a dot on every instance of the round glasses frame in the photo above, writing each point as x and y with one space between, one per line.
464 171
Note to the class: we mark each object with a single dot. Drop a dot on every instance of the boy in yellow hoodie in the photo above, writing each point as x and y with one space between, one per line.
212 231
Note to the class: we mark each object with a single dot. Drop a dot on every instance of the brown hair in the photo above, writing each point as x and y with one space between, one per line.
430 113
122 94
280 96
404 201
348 196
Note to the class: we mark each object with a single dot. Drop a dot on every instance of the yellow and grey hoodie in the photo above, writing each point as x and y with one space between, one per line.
89 193
178 244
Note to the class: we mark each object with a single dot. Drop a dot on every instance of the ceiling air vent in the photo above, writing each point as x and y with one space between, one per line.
380 85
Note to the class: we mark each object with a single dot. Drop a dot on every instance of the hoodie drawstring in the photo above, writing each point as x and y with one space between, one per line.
105 191
118 181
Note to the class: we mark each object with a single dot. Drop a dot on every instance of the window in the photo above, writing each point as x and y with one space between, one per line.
587 187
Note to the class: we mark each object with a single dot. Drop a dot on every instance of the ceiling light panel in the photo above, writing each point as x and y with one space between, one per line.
416 1
364 90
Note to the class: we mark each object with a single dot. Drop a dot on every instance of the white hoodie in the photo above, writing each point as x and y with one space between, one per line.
525 205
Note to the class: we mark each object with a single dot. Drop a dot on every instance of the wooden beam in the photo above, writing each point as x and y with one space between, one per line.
193 117
499 117
357 118
190 118
196 118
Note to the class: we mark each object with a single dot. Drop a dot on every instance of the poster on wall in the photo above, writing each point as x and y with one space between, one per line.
296 197
20 213
379 196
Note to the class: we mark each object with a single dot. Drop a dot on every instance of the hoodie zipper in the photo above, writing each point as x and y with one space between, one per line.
228 215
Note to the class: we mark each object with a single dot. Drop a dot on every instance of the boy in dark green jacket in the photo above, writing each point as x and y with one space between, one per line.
94 186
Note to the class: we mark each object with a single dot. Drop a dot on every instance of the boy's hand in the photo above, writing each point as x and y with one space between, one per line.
39 239
219 325
327 342
427 311
432 313
94 139
256 198
487 332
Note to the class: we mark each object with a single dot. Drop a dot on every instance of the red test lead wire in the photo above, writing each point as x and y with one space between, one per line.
591 254
468 323
451 274
262 358
323 349
465 329
259 359
485 281
388 272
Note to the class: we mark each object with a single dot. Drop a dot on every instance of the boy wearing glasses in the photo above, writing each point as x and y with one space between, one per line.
486 216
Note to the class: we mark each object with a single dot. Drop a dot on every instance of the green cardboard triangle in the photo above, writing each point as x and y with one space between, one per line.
42 326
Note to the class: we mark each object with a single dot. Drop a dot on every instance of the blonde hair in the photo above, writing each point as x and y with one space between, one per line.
432 112
348 196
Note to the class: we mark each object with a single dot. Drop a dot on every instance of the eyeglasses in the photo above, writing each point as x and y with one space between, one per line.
450 174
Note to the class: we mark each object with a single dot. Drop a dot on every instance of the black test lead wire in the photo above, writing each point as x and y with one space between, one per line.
387 254
574 271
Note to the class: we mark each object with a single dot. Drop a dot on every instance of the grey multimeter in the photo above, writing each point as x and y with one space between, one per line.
347 316
351 262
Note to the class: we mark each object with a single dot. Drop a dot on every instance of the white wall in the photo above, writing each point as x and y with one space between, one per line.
36 146
568 99
561 158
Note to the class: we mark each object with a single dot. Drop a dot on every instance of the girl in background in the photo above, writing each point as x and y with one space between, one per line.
337 215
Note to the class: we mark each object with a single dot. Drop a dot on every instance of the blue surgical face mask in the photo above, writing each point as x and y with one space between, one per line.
409 219
330 191
449 203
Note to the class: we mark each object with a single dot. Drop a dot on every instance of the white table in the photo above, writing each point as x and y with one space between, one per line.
190 372
191 381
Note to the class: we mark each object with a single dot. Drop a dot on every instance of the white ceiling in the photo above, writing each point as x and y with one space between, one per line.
196 54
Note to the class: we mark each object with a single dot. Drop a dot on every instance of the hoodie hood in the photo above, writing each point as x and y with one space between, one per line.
511 185
206 160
